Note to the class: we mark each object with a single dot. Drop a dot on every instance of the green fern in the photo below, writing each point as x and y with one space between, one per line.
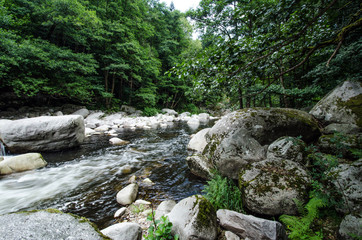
299 227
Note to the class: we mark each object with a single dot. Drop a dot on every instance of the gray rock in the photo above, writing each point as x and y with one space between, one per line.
128 109
289 148
198 141
204 117
42 133
164 208
58 113
248 226
193 123
269 186
102 128
340 144
123 231
199 165
83 112
346 128
22 163
231 236
240 138
168 111
194 218
120 212
342 105
128 194
117 141
348 179
350 228
46 224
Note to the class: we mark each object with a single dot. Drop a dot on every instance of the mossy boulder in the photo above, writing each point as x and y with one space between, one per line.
342 145
242 137
194 218
47 224
342 105
199 165
269 187
290 148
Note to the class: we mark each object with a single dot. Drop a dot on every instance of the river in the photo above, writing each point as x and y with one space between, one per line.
85 180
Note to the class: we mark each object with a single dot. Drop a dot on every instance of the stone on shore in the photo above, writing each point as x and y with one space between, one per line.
198 141
40 134
117 141
164 208
123 231
23 162
250 227
128 194
47 224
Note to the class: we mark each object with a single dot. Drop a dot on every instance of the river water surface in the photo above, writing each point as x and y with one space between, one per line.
85 181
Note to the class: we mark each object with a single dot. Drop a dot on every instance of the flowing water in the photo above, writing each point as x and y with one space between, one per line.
85 181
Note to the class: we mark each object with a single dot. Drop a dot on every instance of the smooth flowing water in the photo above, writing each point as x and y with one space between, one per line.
85 181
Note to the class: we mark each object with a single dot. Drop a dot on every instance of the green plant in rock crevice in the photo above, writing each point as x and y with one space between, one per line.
300 227
223 193
159 229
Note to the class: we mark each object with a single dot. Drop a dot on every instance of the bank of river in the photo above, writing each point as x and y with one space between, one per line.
84 181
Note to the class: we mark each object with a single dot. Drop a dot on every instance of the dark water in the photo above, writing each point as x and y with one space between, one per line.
85 181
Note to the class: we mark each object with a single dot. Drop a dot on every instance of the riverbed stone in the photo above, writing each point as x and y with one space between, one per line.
269 187
350 228
194 218
128 194
193 123
199 165
250 227
48 224
23 162
170 112
120 212
123 231
204 117
345 128
83 112
198 141
290 148
164 208
40 134
117 141
342 105
241 137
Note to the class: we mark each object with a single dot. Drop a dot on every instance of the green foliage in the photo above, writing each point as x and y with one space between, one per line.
223 193
159 229
300 227
191 108
149 111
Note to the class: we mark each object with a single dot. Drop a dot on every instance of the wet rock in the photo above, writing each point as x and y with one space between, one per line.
198 141
58 113
289 148
350 228
250 227
42 134
193 123
147 181
194 218
141 202
117 141
164 208
240 138
204 117
102 128
50 224
348 179
342 105
89 131
123 231
126 169
22 163
269 186
128 194
168 111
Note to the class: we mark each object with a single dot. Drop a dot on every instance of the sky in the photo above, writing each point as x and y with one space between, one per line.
182 5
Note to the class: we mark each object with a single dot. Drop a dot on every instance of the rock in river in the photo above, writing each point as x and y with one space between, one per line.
22 163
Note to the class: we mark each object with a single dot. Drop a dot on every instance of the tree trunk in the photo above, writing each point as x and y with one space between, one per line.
241 103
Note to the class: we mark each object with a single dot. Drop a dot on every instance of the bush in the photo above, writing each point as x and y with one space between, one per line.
150 111
223 193
159 229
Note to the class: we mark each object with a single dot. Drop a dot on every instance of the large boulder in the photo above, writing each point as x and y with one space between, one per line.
22 163
194 218
348 180
250 227
342 105
199 165
123 231
40 134
241 138
83 112
48 224
164 208
269 187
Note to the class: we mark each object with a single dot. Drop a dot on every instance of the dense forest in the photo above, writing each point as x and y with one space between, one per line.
106 53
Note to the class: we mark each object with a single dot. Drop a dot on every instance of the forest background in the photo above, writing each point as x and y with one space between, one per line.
105 53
